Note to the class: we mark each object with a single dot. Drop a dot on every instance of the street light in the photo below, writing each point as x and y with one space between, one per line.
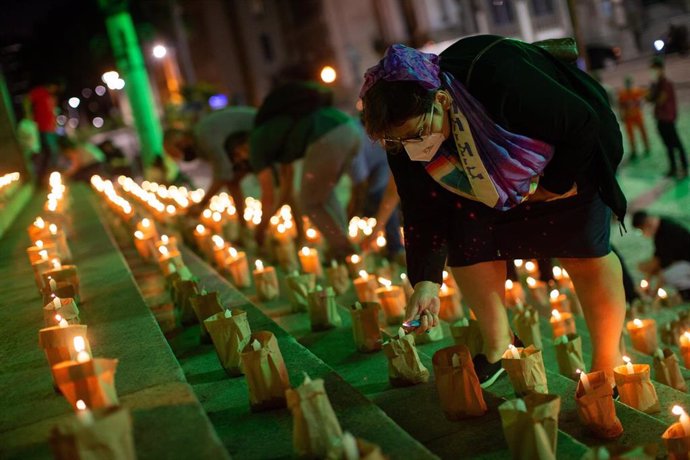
159 51
328 74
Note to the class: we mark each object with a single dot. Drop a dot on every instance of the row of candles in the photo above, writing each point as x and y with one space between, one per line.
63 338
8 183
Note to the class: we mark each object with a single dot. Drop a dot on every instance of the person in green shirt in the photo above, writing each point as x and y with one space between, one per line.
297 122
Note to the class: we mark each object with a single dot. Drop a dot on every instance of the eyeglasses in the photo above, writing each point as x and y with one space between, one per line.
395 144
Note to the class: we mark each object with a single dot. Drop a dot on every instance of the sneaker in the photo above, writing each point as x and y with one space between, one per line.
487 372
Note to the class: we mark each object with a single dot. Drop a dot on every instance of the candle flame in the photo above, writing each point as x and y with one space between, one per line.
644 284
363 274
385 282
43 254
686 334
281 228
145 222
164 251
58 318
200 228
56 264
511 347
518 263
637 322
677 410
79 343
165 239
233 252
556 314
444 288
662 293
305 251
39 243
565 274
39 222
311 233
554 294
530 266
531 282
139 235
259 265
403 276
626 360
81 405
52 229
218 241
354 258
578 371
216 217
557 272
509 284
381 241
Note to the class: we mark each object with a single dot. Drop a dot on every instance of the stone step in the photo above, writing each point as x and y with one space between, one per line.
168 421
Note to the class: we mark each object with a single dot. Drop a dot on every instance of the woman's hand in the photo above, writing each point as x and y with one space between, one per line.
424 305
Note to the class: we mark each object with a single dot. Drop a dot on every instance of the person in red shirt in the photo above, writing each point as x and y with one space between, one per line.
42 101
666 112
630 103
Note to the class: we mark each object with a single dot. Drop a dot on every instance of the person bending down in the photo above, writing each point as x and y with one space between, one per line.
469 135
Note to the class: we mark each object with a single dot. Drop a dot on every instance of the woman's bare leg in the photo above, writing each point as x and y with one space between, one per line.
599 285
483 288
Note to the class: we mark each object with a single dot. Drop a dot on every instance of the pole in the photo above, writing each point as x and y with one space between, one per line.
130 64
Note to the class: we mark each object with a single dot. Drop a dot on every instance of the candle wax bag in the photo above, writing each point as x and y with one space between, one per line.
108 438
677 442
298 288
530 426
266 284
314 423
404 365
205 305
92 381
68 311
338 278
527 374
265 371
466 332
365 326
526 324
457 383
636 390
183 291
667 371
323 310
230 336
596 408
569 355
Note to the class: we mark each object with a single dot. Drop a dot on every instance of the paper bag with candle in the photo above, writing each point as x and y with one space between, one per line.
183 291
667 370
643 335
66 308
636 389
347 447
205 305
230 334
65 275
677 442
298 288
338 278
365 326
530 426
466 332
323 310
58 342
525 368
457 383
314 423
526 323
595 406
92 381
404 365
108 436
569 355
265 371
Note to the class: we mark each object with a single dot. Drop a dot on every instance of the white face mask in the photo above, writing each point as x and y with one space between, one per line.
426 146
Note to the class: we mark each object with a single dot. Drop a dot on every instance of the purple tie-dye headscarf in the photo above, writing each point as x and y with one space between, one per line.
511 160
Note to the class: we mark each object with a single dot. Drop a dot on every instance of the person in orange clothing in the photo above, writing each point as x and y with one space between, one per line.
630 104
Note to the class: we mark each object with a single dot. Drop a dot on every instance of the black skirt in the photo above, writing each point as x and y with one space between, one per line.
574 227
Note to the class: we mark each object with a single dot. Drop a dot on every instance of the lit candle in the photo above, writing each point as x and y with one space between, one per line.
218 250
585 381
514 353
365 286
265 281
380 242
629 369
514 294
531 268
309 260
41 251
451 309
538 292
84 415
562 323
643 335
644 286
662 297
559 301
142 244
355 264
684 419
392 300
202 237
238 268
